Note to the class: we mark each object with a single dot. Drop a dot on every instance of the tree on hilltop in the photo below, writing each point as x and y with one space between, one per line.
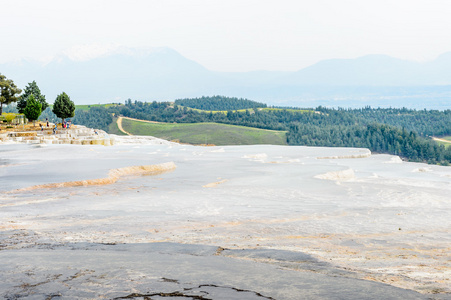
63 107
8 92
33 109
31 89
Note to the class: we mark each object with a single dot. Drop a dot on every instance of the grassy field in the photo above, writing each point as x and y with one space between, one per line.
448 138
88 106
206 133
302 111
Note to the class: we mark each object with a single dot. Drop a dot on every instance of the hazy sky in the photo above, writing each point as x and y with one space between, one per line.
228 35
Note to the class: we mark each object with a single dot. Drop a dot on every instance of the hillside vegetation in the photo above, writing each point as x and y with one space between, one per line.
88 106
206 133
219 103
403 132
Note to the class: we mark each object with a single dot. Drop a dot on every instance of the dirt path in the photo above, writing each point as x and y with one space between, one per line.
155 122
119 125
441 140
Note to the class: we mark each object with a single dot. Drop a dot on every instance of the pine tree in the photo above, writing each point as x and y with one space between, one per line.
8 91
63 107
33 109
31 89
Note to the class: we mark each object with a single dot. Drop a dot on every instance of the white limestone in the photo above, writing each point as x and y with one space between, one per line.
367 217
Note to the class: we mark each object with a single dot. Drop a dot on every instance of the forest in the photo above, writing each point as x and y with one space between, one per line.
404 132
216 103
379 138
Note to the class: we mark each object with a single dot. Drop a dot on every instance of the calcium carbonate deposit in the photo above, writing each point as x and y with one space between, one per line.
149 219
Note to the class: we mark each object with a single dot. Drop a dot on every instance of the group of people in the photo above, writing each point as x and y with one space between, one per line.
64 125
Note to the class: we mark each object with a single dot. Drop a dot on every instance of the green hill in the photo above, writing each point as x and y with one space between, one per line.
206 133
87 107
218 103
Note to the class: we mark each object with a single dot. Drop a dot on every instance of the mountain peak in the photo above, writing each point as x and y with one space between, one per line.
444 57
89 52
105 73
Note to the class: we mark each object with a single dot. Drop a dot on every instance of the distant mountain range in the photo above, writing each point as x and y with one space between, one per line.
164 74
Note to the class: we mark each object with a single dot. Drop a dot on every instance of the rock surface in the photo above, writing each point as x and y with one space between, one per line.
164 270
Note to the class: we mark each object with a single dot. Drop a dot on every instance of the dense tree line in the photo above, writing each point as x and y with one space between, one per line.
379 138
95 117
49 115
216 103
424 122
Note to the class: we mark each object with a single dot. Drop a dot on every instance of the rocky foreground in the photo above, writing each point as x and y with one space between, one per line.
177 271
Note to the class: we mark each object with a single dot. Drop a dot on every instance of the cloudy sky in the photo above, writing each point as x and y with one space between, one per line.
232 35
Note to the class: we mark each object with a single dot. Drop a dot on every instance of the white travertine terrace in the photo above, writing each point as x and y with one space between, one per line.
78 135
266 212
113 176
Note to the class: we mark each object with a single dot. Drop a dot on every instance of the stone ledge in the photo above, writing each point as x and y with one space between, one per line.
79 135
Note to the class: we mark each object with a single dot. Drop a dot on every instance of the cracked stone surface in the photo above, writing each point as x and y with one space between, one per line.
165 270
